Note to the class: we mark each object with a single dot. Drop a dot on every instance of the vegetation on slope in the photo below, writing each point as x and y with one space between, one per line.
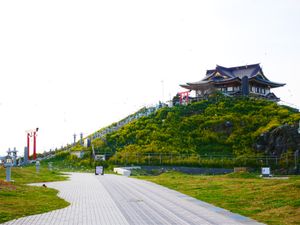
220 126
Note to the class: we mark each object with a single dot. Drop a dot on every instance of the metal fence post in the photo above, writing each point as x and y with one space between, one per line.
296 158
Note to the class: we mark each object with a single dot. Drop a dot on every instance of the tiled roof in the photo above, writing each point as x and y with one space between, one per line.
249 72
239 71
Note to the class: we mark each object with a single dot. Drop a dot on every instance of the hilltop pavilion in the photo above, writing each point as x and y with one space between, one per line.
240 80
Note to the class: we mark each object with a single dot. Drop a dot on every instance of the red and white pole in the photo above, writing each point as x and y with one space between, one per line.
28 144
34 145
31 133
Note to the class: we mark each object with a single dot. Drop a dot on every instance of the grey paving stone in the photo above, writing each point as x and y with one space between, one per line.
91 204
115 200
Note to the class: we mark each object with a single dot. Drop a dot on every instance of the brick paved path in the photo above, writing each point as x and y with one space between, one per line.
112 199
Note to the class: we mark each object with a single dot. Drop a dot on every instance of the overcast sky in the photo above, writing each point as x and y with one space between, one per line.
76 66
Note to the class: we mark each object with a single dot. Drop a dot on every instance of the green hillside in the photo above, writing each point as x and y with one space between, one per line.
218 126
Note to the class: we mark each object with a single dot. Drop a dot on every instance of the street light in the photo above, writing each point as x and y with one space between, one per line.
14 156
8 164
37 165
50 166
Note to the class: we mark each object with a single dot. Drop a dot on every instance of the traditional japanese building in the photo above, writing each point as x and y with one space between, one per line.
240 80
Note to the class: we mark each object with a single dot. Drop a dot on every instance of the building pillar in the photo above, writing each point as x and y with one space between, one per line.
245 86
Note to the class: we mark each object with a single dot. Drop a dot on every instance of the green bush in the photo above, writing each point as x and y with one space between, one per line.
217 126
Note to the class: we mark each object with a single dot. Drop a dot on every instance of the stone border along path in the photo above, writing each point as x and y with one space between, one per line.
113 200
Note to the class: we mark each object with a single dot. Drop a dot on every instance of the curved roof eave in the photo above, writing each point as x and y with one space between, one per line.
267 82
199 82
209 75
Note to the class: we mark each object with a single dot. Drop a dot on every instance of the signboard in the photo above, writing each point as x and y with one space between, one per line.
265 171
99 170
100 157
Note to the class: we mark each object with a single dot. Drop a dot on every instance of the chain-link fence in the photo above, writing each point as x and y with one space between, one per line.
286 161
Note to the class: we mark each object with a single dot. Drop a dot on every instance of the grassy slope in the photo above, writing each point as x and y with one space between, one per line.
19 200
203 126
268 201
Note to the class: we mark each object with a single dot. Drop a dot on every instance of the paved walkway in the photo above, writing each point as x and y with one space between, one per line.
112 199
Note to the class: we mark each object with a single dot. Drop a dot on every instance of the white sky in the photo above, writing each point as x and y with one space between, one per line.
76 66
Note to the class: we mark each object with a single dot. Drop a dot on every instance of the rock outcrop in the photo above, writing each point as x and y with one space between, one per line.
279 140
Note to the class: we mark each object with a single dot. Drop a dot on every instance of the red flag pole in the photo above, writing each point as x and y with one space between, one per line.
28 143
34 145
30 133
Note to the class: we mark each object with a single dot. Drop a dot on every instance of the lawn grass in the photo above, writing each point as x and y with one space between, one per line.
65 165
18 199
265 200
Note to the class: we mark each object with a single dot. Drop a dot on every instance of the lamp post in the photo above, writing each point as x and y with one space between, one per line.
37 165
25 155
8 164
50 166
9 152
74 143
81 139
15 156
